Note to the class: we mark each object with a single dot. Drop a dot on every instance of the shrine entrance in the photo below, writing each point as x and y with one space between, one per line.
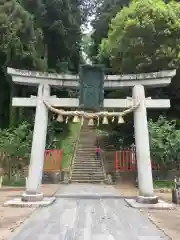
91 83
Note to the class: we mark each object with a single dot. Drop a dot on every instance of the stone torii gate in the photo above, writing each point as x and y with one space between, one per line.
43 81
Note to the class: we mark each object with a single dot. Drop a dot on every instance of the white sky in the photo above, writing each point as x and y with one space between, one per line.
88 28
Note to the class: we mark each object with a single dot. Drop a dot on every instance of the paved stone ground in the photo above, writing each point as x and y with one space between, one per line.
12 218
88 219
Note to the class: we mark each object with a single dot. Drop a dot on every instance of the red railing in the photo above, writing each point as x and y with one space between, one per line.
125 160
52 160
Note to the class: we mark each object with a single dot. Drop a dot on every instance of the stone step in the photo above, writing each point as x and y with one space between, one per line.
85 158
87 181
87 143
91 152
86 168
90 175
97 170
87 163
80 176
83 173
78 171
88 171
87 154
86 150
89 146
93 167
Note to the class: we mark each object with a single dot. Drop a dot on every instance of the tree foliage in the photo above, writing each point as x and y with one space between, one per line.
21 41
15 145
164 141
37 35
145 42
105 11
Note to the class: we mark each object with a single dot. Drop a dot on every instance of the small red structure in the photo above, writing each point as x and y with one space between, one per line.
52 160
125 160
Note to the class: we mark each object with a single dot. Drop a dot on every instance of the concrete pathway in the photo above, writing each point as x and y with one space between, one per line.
88 218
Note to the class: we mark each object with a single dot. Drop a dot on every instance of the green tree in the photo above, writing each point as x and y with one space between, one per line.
145 42
60 22
21 47
164 142
15 144
41 35
104 12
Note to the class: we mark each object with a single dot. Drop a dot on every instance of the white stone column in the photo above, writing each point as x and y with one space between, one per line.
38 147
145 181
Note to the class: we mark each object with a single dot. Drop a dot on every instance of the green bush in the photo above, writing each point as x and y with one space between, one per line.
164 142
144 37
163 184
13 182
15 146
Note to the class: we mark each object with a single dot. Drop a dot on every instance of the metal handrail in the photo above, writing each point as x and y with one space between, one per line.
74 153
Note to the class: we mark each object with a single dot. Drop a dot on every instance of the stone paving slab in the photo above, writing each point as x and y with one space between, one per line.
88 219
79 189
17 202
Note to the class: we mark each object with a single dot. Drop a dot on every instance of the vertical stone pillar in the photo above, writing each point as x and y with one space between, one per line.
38 147
145 181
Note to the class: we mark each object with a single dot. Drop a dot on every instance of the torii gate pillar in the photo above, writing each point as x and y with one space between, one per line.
32 193
145 181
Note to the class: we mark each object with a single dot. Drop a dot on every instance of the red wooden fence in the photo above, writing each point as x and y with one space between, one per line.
52 160
125 160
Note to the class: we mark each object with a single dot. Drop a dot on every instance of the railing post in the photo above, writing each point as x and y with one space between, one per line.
60 159
116 160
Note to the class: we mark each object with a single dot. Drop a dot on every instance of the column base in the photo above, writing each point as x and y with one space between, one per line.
32 197
147 200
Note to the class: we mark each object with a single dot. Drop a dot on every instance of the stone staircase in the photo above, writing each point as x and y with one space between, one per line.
85 166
